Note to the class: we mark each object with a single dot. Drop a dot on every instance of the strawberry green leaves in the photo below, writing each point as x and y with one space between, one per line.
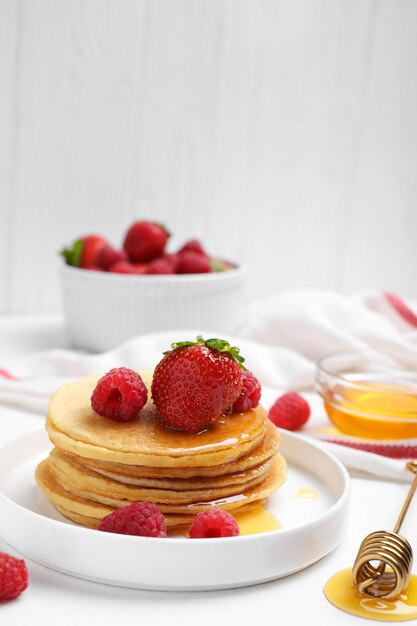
72 255
221 345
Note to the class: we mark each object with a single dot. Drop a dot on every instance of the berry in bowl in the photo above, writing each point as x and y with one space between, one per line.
113 294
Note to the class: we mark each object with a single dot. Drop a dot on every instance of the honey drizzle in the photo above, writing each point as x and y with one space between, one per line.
252 522
306 494
258 520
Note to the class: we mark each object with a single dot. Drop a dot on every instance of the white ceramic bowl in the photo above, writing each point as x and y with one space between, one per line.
103 309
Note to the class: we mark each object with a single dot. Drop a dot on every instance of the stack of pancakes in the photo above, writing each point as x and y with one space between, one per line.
98 465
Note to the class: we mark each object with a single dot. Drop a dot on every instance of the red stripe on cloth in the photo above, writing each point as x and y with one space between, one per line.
392 451
401 308
5 374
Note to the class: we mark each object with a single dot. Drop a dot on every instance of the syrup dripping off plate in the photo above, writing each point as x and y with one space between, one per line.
310 528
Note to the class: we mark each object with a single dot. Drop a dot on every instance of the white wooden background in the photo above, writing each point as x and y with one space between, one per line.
281 132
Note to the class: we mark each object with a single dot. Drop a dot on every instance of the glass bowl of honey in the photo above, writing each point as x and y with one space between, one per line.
369 395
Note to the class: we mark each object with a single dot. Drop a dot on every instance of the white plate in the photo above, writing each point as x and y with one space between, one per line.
311 528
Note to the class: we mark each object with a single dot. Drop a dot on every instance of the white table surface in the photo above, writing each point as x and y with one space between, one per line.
53 598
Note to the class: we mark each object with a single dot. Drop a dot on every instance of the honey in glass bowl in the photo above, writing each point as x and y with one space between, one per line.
369 395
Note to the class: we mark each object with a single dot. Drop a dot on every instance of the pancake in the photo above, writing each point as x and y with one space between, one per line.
196 482
99 466
63 498
75 477
265 450
176 524
90 522
88 513
46 477
73 426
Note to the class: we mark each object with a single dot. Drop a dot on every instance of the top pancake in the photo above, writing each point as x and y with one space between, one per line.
267 448
73 426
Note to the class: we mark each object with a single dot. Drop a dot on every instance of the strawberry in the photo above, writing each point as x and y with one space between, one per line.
145 241
84 252
196 382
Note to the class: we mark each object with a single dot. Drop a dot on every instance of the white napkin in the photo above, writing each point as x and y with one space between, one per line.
281 339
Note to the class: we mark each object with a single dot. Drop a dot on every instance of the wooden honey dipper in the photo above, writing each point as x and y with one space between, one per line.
383 564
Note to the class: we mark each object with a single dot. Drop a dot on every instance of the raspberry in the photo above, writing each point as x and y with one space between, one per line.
193 263
108 256
92 268
193 246
213 523
119 395
159 266
13 576
122 267
172 259
290 411
250 396
140 518
140 268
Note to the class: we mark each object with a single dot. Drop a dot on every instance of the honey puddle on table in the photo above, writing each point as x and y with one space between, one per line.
342 593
